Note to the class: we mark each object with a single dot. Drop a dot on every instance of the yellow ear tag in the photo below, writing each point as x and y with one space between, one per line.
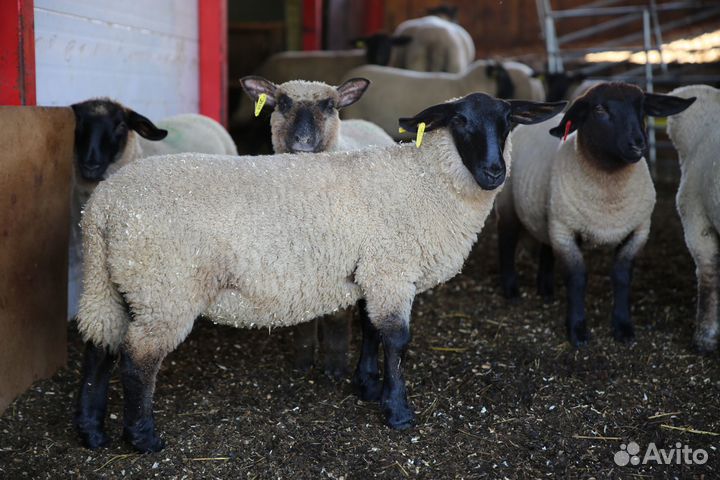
402 130
260 103
420 133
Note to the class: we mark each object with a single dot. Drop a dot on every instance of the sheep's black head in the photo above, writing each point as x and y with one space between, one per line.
505 87
378 47
479 125
305 116
447 12
610 120
558 84
101 134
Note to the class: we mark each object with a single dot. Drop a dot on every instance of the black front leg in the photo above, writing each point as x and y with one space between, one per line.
576 282
546 273
335 340
395 338
138 379
508 237
89 419
367 374
621 276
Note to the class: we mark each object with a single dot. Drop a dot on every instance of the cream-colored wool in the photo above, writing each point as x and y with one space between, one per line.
527 87
337 135
437 45
696 136
559 194
186 133
273 240
397 92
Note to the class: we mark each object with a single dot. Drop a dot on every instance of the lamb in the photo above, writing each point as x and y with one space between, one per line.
305 119
108 136
321 66
695 136
281 239
437 45
592 190
402 92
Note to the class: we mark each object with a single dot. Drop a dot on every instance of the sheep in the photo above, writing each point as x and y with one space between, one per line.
322 66
278 240
437 45
305 119
591 190
108 136
445 11
695 136
402 92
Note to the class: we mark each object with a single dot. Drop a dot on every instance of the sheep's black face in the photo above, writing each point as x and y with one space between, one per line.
479 125
378 47
101 134
610 119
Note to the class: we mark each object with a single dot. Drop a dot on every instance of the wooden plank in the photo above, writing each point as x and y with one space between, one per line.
17 53
213 59
36 146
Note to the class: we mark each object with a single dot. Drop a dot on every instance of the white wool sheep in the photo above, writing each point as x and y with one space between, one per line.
695 135
279 240
437 45
305 118
401 92
592 190
108 136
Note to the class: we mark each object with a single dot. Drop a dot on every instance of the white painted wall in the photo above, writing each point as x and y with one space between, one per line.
143 53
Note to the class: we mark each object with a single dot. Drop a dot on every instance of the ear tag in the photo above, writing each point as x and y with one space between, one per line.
420 133
360 44
567 130
260 103
402 130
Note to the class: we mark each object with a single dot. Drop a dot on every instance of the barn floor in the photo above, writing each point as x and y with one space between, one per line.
497 390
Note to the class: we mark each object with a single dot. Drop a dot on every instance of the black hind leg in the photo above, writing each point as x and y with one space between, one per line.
89 419
546 273
509 230
367 374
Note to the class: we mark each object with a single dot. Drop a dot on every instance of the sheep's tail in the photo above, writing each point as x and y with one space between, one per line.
103 317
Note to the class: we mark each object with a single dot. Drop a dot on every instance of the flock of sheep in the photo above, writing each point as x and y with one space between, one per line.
343 215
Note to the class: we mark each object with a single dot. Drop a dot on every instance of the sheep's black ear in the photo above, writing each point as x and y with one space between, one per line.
255 86
575 115
505 88
398 40
144 126
528 113
434 117
351 91
658 105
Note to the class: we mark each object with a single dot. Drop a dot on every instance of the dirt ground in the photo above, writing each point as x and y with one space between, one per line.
497 390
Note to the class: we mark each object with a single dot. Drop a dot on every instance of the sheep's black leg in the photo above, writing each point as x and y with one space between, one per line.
138 379
305 338
508 235
367 374
621 279
576 282
395 339
546 274
92 402
335 340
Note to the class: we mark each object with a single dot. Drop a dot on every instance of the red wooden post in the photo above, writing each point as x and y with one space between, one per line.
213 58
312 25
374 16
17 52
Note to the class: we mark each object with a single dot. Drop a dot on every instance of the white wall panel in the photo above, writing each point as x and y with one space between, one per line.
142 53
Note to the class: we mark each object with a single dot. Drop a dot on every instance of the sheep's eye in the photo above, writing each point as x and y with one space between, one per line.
284 104
459 120
601 110
328 105
121 128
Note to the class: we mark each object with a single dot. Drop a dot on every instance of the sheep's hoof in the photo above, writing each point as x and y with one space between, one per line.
368 387
304 364
336 372
579 336
149 443
94 439
400 417
511 293
624 332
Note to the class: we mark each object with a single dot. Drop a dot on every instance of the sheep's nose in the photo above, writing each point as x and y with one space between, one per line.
494 171
302 139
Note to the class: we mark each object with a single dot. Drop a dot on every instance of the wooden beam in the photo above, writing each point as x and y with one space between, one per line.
213 58
17 52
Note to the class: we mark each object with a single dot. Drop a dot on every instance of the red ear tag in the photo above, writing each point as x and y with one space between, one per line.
567 130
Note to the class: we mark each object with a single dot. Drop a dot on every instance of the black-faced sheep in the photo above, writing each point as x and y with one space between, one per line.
592 190
696 136
279 240
305 119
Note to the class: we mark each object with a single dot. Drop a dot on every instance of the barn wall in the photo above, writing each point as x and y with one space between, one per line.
143 55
